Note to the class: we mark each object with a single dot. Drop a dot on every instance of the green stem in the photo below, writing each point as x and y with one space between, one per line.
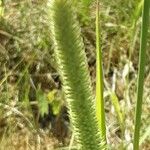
100 111
144 33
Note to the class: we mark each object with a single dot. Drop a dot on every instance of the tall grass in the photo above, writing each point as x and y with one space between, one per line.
70 51
75 76
142 60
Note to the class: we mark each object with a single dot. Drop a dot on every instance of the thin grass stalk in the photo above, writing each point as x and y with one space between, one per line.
100 111
142 60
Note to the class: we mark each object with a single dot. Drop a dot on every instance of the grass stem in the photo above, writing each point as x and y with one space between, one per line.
142 58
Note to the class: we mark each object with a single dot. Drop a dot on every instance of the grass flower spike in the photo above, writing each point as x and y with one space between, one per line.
73 68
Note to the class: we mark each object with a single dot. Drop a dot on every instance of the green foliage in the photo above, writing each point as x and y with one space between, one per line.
119 113
55 100
42 102
72 65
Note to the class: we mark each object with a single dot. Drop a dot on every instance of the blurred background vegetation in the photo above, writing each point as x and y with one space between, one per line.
33 113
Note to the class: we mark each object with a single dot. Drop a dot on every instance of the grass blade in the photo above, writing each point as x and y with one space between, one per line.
120 115
142 58
100 111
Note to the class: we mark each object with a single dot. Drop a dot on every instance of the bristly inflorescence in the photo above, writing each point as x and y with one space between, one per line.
73 68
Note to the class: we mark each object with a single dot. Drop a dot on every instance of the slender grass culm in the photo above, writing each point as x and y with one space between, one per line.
100 111
73 68
142 59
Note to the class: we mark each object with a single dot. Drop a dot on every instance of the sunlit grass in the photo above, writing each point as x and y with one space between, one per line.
100 111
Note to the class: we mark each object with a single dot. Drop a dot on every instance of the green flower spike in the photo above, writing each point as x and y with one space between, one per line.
73 68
